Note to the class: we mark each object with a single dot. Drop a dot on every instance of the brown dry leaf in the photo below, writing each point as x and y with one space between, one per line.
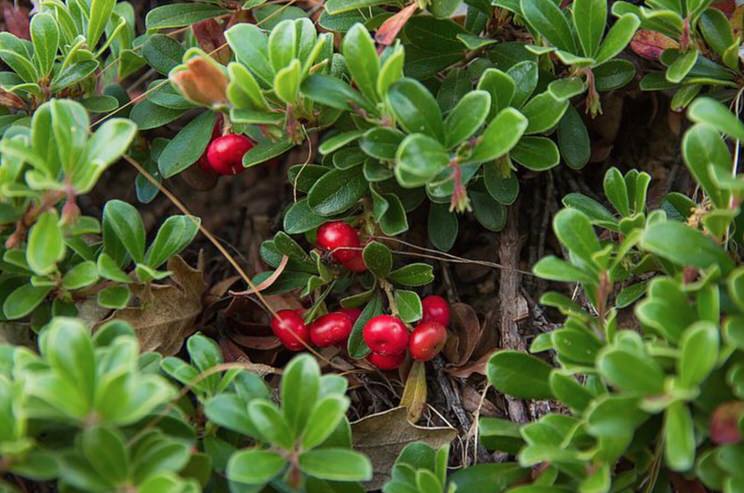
16 20
414 393
383 435
478 366
211 37
465 334
169 314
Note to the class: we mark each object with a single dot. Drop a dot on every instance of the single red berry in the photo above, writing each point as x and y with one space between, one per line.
332 328
386 335
427 340
352 313
335 236
435 309
386 362
291 330
216 131
356 263
225 153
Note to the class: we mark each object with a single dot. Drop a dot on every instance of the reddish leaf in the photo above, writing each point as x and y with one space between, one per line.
726 6
465 334
724 423
389 29
16 20
650 44
211 37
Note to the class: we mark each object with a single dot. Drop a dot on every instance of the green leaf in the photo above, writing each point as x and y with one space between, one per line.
381 143
356 346
45 38
378 258
489 213
339 140
708 110
173 236
699 353
543 112
300 218
690 246
631 371
282 44
105 451
706 155
181 14
547 19
501 135
332 92
500 86
337 191
555 269
325 417
575 232
187 146
287 82
525 75
413 275
409 305
254 466
616 191
82 275
100 14
265 151
251 48
126 222
501 182
416 109
23 300
443 227
230 411
466 117
114 297
20 64
589 18
421 156
163 53
617 38
270 423
336 464
299 390
46 244
519 375
536 153
682 66
715 27
573 139
679 437
361 60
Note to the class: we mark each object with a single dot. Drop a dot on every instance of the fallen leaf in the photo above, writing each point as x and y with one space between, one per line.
266 283
211 37
651 44
168 313
414 393
478 366
233 354
465 334
389 29
383 435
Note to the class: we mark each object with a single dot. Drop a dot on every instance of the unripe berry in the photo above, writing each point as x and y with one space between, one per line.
427 340
386 335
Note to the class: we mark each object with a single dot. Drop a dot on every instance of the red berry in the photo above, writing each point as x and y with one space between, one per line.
427 339
225 154
352 313
386 362
435 309
335 236
216 131
386 335
332 328
291 330
356 263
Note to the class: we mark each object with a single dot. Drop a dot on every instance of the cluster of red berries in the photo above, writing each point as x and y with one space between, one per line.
343 242
331 329
224 154
386 335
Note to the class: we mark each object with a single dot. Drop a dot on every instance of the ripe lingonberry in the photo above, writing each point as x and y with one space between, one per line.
435 309
427 340
386 362
352 313
341 239
291 330
386 335
332 328
225 154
